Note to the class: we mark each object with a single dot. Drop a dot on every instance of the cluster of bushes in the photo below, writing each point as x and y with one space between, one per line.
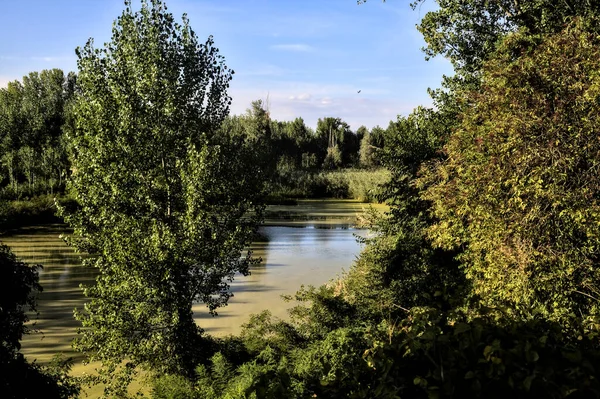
35 210
359 184
424 354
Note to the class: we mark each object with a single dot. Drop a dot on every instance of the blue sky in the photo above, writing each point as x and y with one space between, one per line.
309 58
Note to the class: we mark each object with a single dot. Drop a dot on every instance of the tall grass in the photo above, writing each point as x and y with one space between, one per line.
359 184
32 211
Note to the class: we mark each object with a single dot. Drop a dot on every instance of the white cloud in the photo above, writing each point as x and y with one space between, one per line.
38 58
54 58
285 104
45 59
301 48
301 97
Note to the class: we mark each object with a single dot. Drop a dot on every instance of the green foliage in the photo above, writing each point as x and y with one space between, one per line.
328 350
167 201
363 185
438 354
17 296
171 386
519 186
467 31
359 184
333 158
368 151
337 142
399 269
32 114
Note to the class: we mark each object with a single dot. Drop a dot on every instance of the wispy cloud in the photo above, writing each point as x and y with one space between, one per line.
46 59
312 102
37 58
299 48
301 97
54 58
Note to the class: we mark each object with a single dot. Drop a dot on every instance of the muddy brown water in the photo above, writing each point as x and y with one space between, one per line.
307 244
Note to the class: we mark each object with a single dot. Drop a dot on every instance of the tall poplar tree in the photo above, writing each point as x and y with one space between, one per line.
167 204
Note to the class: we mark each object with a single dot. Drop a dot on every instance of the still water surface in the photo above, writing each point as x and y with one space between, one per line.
308 244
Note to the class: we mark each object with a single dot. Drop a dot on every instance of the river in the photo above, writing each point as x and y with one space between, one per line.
307 244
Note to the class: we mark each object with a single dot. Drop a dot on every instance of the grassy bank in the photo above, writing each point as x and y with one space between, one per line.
358 184
36 210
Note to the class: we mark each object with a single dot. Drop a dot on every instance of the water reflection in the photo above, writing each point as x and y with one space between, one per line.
60 278
291 256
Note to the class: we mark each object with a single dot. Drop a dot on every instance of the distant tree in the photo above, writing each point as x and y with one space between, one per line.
378 136
29 165
333 159
254 132
368 151
298 130
361 132
309 160
167 200
32 115
334 132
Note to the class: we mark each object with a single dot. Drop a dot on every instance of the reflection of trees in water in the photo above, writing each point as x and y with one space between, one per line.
287 253
60 277
311 243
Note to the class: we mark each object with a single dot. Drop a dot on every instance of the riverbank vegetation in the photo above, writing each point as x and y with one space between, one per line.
481 281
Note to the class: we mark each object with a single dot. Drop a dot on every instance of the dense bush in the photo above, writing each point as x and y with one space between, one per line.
520 186
428 353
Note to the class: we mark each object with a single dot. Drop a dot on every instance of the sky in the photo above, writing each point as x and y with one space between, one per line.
309 58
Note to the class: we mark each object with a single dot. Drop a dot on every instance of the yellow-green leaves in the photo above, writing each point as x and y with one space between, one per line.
164 195
520 185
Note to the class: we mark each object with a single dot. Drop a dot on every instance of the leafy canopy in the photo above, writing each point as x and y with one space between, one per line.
519 186
167 203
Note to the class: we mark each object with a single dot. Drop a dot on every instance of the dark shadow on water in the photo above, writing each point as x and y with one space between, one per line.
263 265
206 315
248 288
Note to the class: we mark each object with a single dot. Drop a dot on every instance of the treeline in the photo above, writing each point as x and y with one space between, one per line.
35 161
33 147
331 161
